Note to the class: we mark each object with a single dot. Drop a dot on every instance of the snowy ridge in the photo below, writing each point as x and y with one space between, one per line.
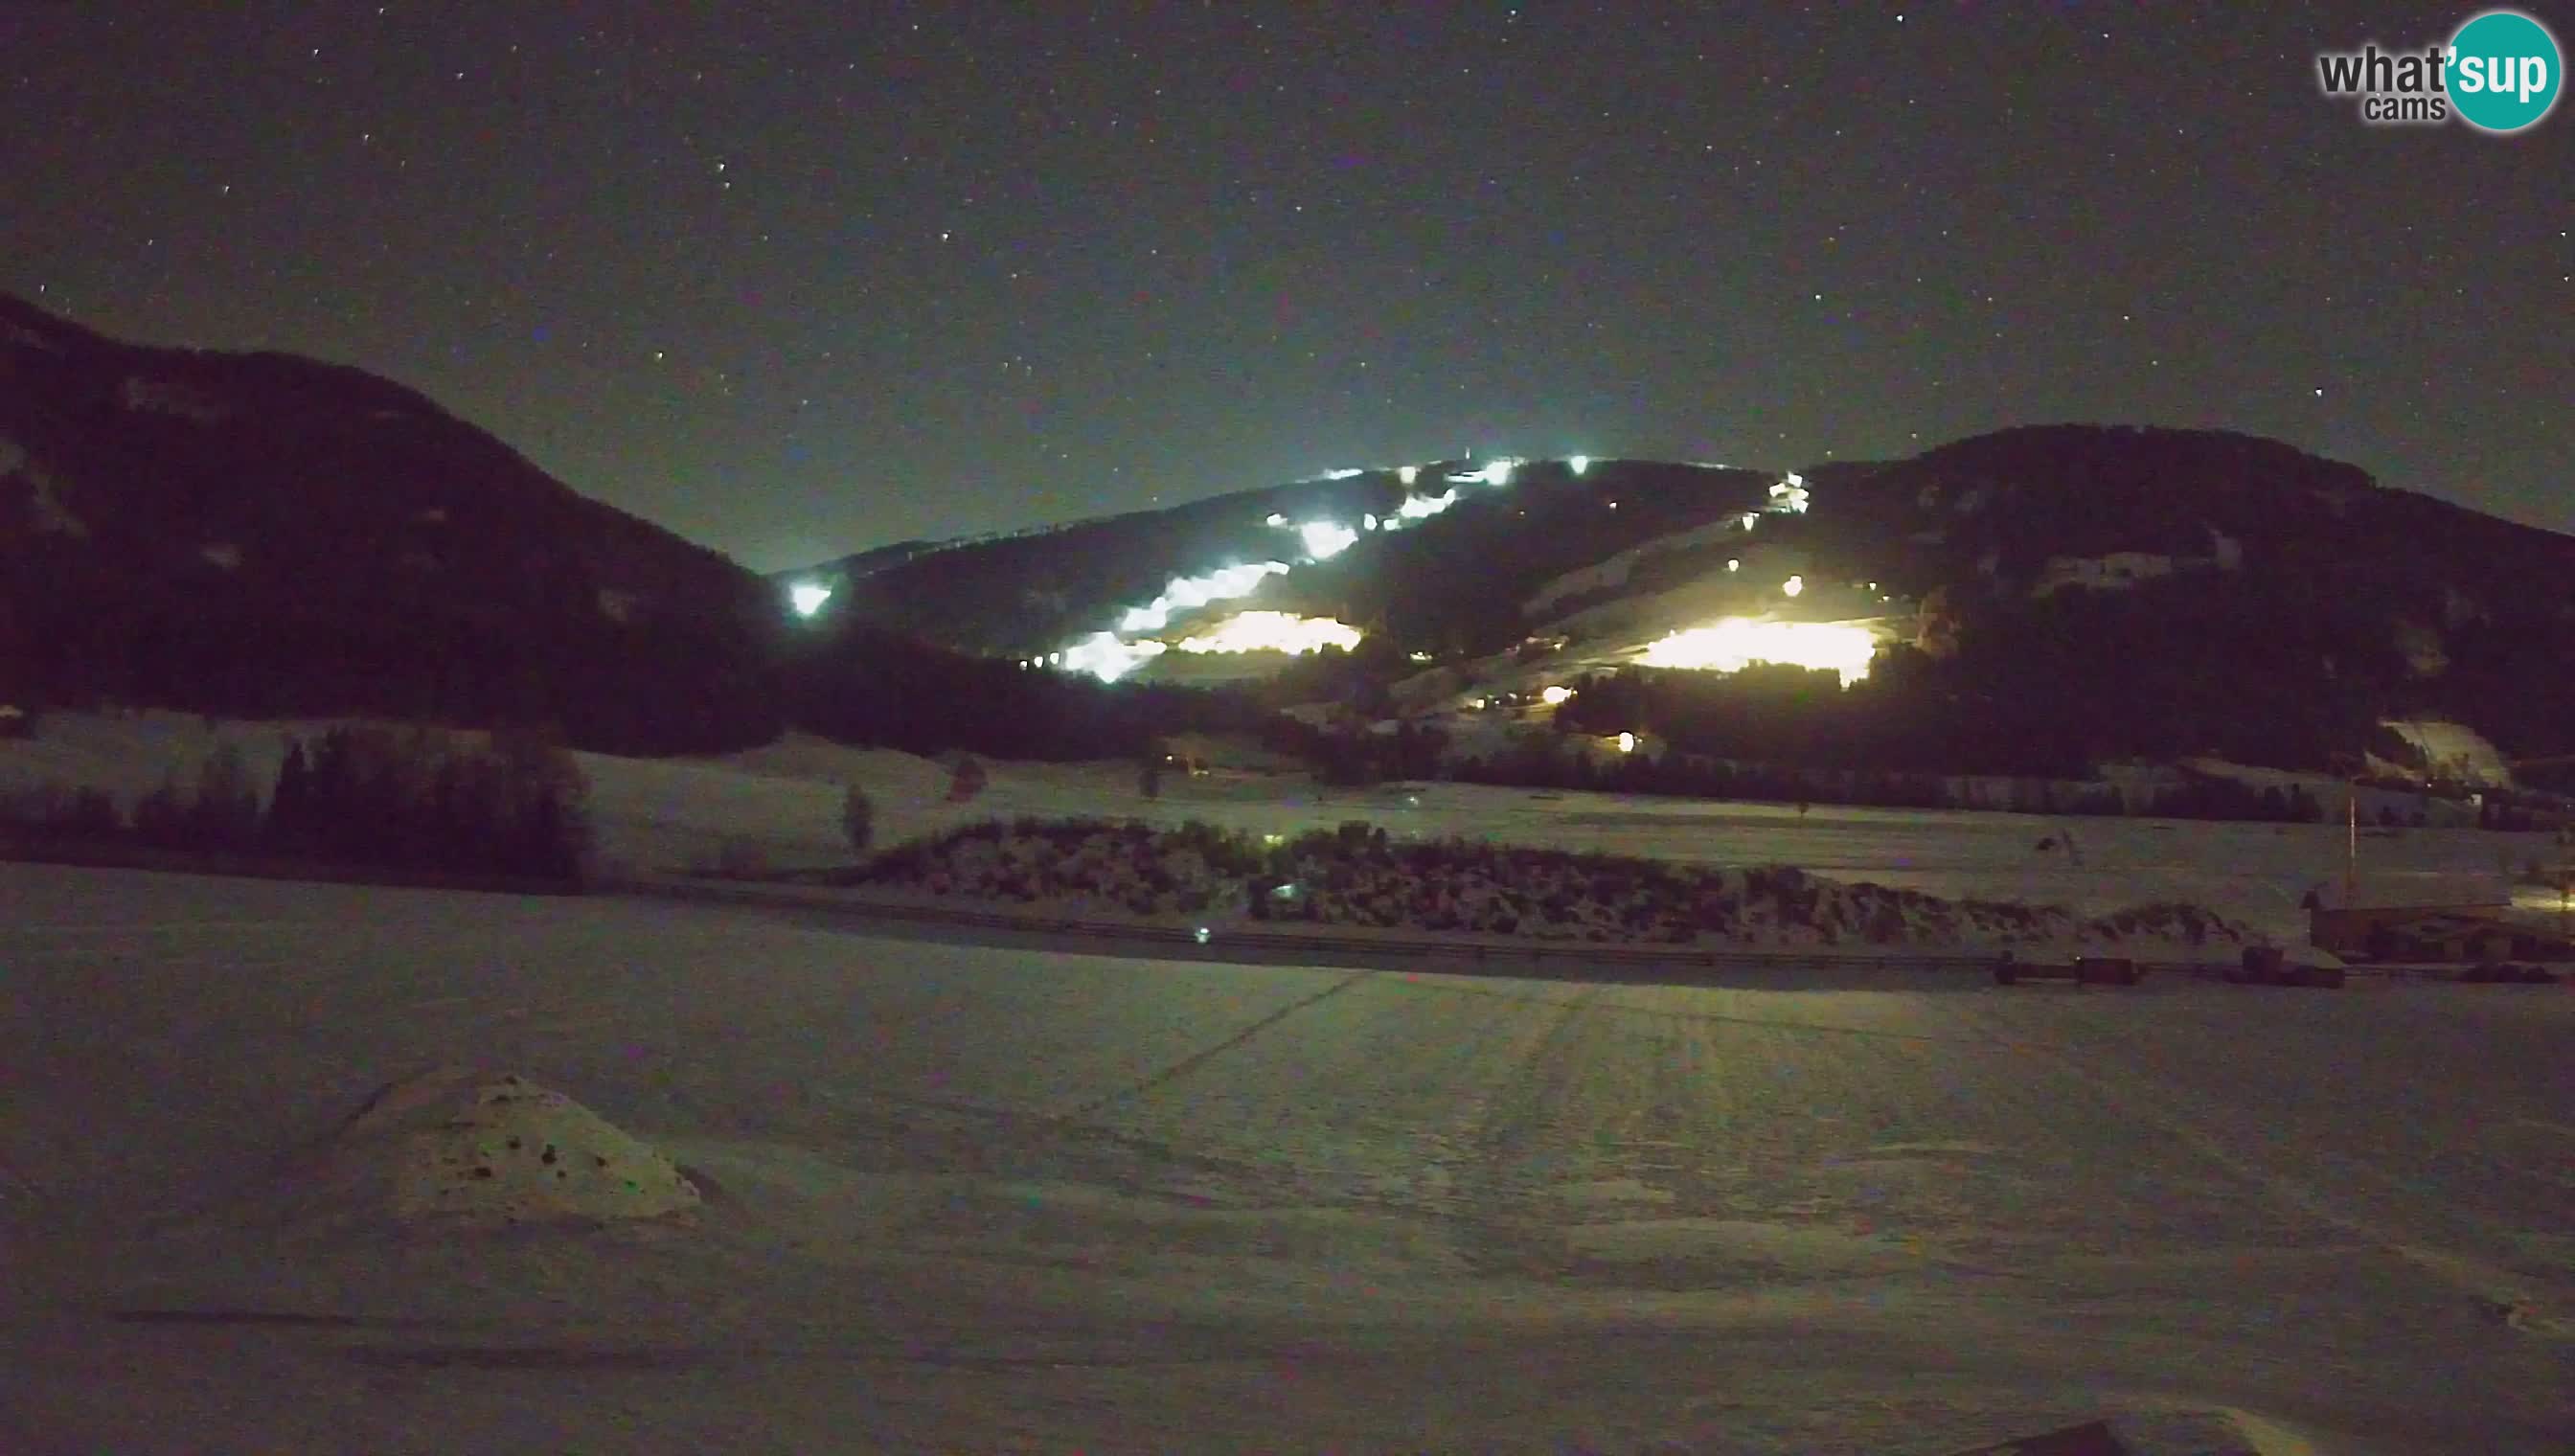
1601 575
2453 750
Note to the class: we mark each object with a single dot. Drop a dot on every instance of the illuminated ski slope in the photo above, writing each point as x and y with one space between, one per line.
1737 643
1113 653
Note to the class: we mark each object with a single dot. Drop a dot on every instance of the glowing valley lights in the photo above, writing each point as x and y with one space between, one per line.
1737 643
807 597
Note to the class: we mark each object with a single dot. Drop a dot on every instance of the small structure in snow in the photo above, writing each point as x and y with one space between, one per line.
16 722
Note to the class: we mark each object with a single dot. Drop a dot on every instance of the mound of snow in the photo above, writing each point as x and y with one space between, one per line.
2451 750
2215 1431
804 755
459 1148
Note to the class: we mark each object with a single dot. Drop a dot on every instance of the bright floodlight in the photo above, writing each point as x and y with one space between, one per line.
1626 743
1343 475
808 597
1494 472
1734 566
1407 474
1275 520
1415 508
1794 585
1789 494
1326 540
1556 695
1186 592
1272 632
1103 657
1579 462
1737 643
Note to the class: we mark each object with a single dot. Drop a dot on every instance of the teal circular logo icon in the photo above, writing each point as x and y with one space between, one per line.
2504 71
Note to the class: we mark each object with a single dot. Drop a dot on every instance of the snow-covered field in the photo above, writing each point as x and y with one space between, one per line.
786 797
965 1198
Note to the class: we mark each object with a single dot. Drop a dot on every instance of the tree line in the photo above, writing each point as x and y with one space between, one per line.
514 806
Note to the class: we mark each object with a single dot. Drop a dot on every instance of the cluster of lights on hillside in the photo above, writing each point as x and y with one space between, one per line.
1271 632
1737 643
1105 656
1188 593
1110 656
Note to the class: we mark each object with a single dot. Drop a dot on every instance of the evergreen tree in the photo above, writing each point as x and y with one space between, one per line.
858 819
226 812
288 824
161 816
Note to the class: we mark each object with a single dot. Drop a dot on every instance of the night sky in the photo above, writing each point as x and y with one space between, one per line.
795 279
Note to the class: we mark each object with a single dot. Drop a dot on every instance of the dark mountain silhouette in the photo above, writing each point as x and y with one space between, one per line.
263 535
2063 594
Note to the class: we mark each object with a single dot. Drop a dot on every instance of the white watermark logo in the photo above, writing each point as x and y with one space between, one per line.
2499 72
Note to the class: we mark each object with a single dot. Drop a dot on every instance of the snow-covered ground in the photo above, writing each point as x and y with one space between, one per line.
965 1198
647 813
786 797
